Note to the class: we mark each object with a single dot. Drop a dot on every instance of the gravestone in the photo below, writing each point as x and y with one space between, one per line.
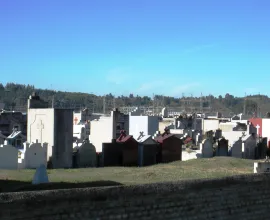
207 148
218 133
41 175
8 157
261 149
249 146
35 154
237 149
86 155
222 148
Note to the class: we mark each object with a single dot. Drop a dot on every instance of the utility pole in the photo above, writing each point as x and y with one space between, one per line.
104 105
114 104
163 101
201 104
153 104
245 104
53 101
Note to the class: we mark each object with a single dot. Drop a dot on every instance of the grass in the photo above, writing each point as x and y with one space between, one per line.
18 180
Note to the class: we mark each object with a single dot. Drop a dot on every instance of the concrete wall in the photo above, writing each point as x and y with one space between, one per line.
266 128
63 138
242 197
232 136
101 132
147 124
227 126
209 125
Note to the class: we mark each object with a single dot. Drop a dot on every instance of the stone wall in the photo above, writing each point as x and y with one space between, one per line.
240 197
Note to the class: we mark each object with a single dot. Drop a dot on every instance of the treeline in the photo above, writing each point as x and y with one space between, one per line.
15 97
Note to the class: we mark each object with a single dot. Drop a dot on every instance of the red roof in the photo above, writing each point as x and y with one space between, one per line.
123 137
163 137
189 139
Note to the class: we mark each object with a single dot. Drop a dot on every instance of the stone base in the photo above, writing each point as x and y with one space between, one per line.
261 167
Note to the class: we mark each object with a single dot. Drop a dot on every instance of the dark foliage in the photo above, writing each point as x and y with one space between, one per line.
15 97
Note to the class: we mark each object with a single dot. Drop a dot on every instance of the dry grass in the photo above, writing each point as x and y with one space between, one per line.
180 170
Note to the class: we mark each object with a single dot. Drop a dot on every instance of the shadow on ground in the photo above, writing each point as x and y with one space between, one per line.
19 186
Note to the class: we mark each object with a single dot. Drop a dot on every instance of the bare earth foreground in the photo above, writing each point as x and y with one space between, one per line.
20 180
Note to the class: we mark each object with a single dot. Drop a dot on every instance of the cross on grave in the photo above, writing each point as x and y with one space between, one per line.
258 127
141 135
40 126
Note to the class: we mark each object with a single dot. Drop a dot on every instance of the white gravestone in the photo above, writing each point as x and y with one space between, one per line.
41 175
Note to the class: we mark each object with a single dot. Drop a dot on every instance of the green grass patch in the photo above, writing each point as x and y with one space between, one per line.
18 180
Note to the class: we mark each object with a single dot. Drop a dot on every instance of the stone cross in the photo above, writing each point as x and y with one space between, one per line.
75 120
40 126
141 135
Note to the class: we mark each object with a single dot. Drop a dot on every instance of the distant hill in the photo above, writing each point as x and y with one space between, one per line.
15 97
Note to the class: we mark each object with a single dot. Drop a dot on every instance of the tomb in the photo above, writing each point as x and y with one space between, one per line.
53 126
8 157
248 145
112 154
170 148
207 148
147 150
218 134
236 149
222 148
148 124
130 149
260 150
34 155
107 128
86 155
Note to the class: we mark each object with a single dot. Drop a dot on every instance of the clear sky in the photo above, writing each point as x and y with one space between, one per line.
143 47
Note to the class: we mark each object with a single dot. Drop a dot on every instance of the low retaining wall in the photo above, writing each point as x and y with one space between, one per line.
240 197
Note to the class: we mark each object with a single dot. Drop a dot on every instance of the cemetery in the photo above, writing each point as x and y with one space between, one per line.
175 171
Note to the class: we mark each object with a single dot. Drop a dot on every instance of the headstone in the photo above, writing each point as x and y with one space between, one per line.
237 149
86 156
41 175
35 154
222 148
249 147
8 157
218 133
207 148
261 149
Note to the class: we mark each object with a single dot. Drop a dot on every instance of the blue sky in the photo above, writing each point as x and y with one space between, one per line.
143 47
